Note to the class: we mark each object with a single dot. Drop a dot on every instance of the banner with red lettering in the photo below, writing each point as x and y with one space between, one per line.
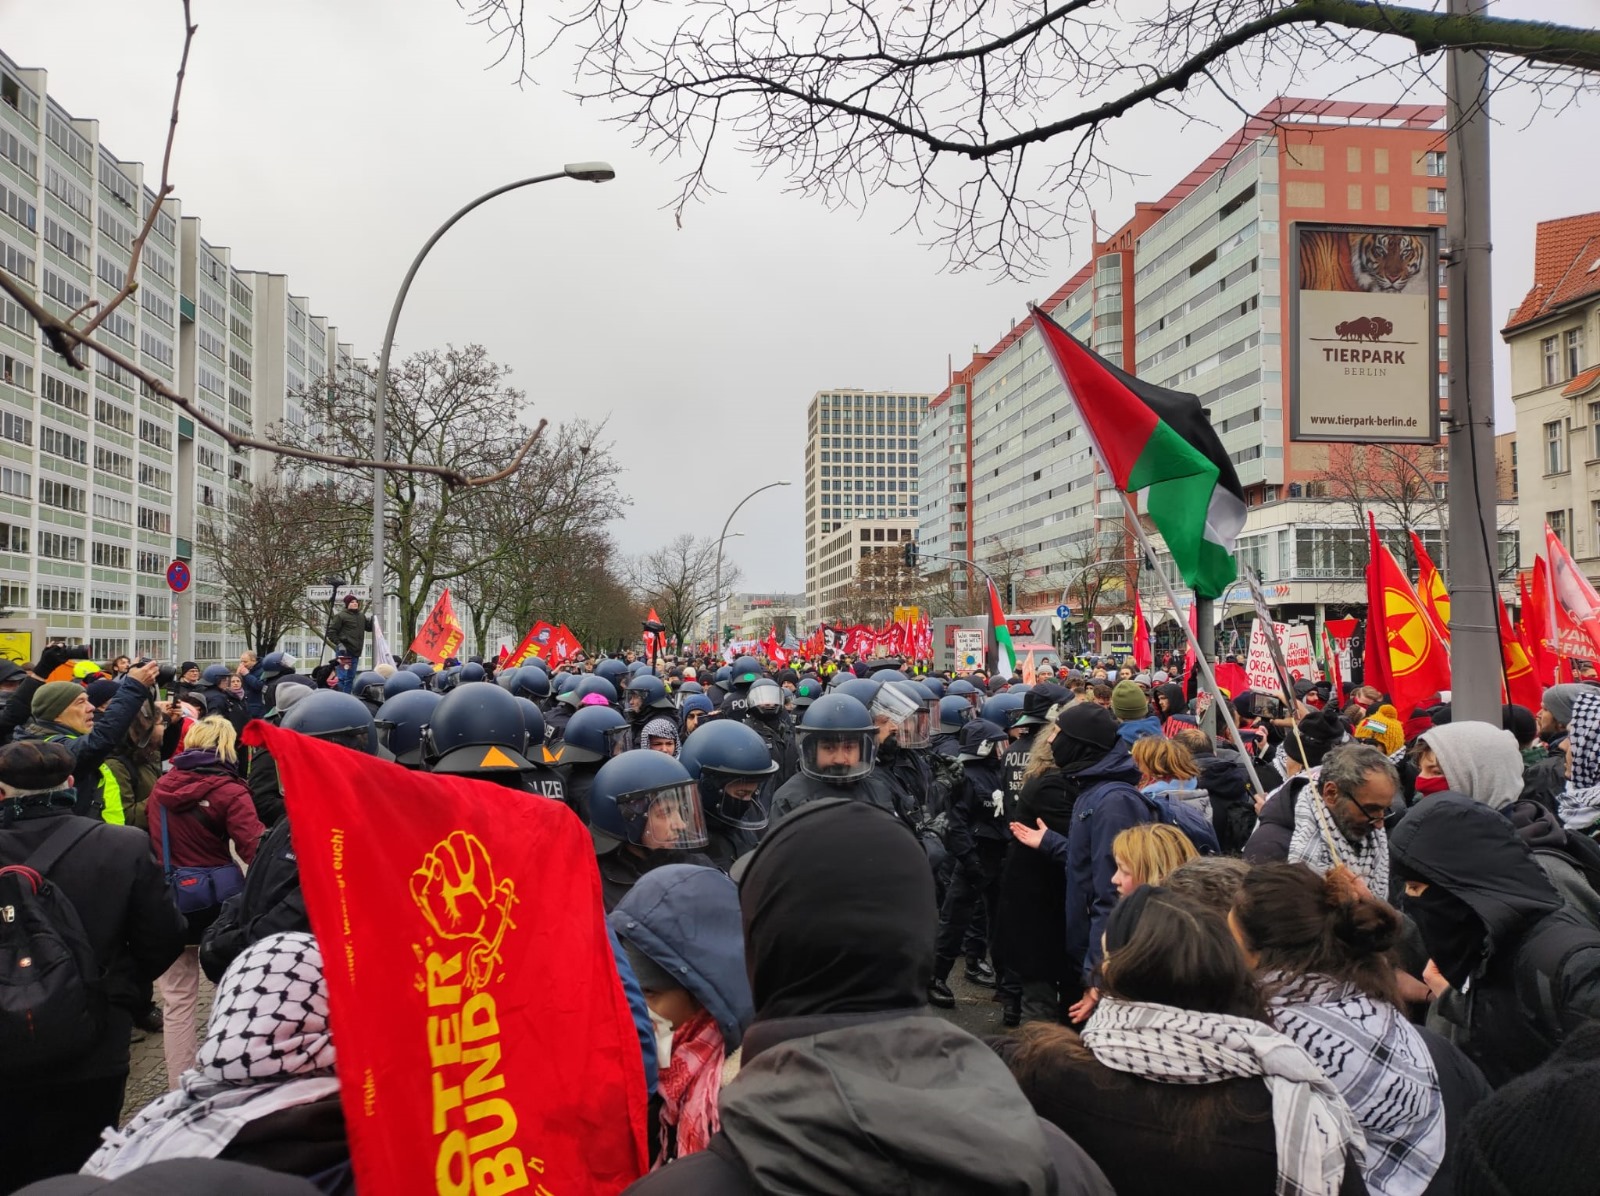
441 635
462 1068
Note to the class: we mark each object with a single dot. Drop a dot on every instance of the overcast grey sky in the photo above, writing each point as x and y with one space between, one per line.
325 139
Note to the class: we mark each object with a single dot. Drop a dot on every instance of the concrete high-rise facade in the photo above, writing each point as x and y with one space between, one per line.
103 484
861 483
1188 293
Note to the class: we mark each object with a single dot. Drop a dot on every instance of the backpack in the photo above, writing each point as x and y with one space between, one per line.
1171 809
52 1003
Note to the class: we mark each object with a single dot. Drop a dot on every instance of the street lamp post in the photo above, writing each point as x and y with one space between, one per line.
589 172
716 618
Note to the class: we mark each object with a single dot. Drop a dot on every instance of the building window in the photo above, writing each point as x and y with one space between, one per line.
16 482
13 538
1433 164
1574 348
1555 447
1550 348
1558 524
15 427
1436 199
1594 432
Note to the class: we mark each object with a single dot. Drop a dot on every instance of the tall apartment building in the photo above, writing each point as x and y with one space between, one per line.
1188 293
1555 389
102 484
861 484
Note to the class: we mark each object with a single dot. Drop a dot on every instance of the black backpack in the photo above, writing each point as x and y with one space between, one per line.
52 1000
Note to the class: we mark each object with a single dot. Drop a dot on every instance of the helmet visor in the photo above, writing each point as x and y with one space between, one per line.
618 740
733 799
919 732
766 698
837 756
898 711
665 819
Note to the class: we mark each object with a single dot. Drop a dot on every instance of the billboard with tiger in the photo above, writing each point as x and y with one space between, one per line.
1363 334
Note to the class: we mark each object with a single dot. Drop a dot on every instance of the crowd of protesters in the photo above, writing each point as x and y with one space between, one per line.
1361 955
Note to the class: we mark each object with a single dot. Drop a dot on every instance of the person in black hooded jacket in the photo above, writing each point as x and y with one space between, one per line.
1518 970
848 1082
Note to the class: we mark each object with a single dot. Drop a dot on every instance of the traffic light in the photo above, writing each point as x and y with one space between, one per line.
911 554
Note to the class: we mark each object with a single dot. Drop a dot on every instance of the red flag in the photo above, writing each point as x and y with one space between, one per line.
532 644
563 645
1405 657
1522 686
505 655
1188 651
459 1061
1574 595
1143 657
1431 590
1539 616
650 636
1231 678
441 635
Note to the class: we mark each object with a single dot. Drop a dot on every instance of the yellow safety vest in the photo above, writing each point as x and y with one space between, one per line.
110 791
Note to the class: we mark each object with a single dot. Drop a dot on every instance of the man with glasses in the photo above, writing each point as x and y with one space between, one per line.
1358 786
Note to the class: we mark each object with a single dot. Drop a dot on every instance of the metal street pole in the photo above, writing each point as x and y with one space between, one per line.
716 618
1474 626
588 172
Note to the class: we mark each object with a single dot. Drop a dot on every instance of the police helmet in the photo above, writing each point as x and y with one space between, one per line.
722 675
729 761
537 662
422 669
613 670
1004 709
685 688
472 671
214 675
368 686
560 683
533 724
807 691
401 683
981 739
885 676
530 683
963 688
648 799
276 664
919 733
765 698
581 688
953 711
862 689
745 670
400 721
645 693
505 677
838 740
639 667
336 717
587 738
935 684
477 730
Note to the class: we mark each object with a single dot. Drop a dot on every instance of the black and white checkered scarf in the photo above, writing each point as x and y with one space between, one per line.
267 1048
1579 801
1315 1131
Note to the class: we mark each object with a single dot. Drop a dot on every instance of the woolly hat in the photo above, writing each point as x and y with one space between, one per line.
50 699
1087 722
1536 1134
1558 700
1128 701
100 692
1319 731
35 765
1383 729
1520 722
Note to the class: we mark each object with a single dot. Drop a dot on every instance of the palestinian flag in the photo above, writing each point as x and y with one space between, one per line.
1005 656
1157 440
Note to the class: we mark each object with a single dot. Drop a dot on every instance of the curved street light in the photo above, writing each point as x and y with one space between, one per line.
716 618
586 172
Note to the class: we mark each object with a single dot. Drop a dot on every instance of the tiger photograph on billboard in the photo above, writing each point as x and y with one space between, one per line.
1364 334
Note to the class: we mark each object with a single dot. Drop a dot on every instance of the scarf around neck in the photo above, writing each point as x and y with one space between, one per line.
1382 1068
1311 1123
690 1086
1318 842
1578 803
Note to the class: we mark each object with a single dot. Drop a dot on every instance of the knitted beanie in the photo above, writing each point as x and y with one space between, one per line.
1536 1134
50 699
1128 701
1558 700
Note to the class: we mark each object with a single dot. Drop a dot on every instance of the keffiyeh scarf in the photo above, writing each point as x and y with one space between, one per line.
1318 842
1380 1065
266 1049
1311 1122
1579 800
691 1084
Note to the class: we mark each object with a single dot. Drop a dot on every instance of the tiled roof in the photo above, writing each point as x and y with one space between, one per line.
1566 267
1587 380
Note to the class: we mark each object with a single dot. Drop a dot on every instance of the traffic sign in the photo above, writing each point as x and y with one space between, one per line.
178 577
1063 611
325 593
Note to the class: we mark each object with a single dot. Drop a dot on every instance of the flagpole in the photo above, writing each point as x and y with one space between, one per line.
1204 665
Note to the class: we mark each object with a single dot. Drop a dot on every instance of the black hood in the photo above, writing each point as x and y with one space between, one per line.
1477 856
1174 696
838 909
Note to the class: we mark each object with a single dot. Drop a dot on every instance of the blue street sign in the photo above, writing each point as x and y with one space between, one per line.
1063 611
178 577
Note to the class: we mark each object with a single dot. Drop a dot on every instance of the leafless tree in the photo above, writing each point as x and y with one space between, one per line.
279 540
1396 482
1091 575
990 116
679 581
